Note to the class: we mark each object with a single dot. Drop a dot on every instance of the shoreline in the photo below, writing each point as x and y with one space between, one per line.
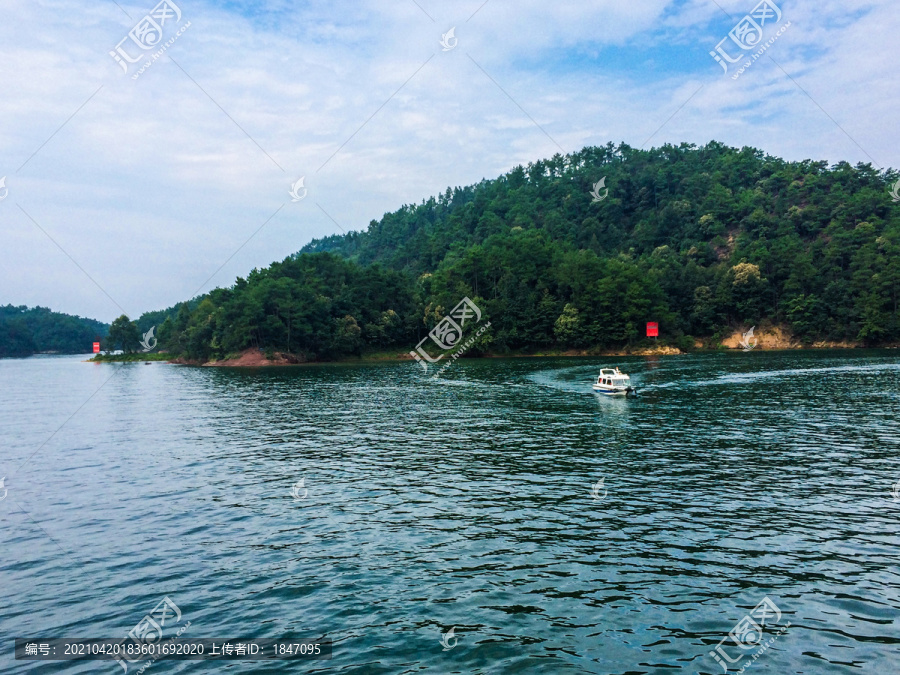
253 358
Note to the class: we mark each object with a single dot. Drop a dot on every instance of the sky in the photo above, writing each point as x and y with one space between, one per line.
125 190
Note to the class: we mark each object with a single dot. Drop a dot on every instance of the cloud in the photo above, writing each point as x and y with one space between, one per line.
154 183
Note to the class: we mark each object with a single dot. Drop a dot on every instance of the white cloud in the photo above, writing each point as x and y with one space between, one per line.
151 186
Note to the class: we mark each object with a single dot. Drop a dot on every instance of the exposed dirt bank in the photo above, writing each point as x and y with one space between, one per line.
777 337
253 358
765 338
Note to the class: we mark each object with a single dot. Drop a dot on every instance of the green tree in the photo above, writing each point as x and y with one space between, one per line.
347 336
567 328
124 335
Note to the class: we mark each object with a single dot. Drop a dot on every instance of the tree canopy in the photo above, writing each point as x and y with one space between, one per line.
124 335
699 239
25 331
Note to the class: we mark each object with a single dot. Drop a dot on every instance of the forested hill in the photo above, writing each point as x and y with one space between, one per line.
25 331
702 240
825 240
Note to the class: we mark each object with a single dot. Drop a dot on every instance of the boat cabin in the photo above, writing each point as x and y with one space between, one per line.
612 377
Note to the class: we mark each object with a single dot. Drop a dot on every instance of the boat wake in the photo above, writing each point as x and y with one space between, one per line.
578 379
745 378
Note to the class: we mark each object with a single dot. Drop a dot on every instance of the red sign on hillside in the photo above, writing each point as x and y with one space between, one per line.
96 347
652 329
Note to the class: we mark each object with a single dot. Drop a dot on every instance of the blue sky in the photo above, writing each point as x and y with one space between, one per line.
130 194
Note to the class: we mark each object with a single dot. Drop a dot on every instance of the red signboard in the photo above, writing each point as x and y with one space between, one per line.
96 347
652 329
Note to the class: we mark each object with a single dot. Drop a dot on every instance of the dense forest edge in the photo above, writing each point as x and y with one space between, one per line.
26 331
703 240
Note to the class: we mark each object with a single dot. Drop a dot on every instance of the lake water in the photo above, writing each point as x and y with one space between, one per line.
473 503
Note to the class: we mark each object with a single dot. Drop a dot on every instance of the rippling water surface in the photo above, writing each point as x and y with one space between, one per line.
461 503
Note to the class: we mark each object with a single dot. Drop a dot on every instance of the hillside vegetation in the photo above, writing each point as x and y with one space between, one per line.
699 239
25 331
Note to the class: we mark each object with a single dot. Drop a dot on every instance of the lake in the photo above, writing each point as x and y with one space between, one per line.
554 531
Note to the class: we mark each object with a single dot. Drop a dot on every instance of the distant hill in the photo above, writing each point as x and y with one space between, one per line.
25 331
579 251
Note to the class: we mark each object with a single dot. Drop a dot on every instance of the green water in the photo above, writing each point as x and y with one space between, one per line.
471 503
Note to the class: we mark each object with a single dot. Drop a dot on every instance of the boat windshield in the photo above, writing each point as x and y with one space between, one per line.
612 381
612 377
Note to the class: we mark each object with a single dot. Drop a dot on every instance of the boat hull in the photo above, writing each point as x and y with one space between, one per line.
610 391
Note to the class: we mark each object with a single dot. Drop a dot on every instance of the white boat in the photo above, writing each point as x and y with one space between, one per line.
613 382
